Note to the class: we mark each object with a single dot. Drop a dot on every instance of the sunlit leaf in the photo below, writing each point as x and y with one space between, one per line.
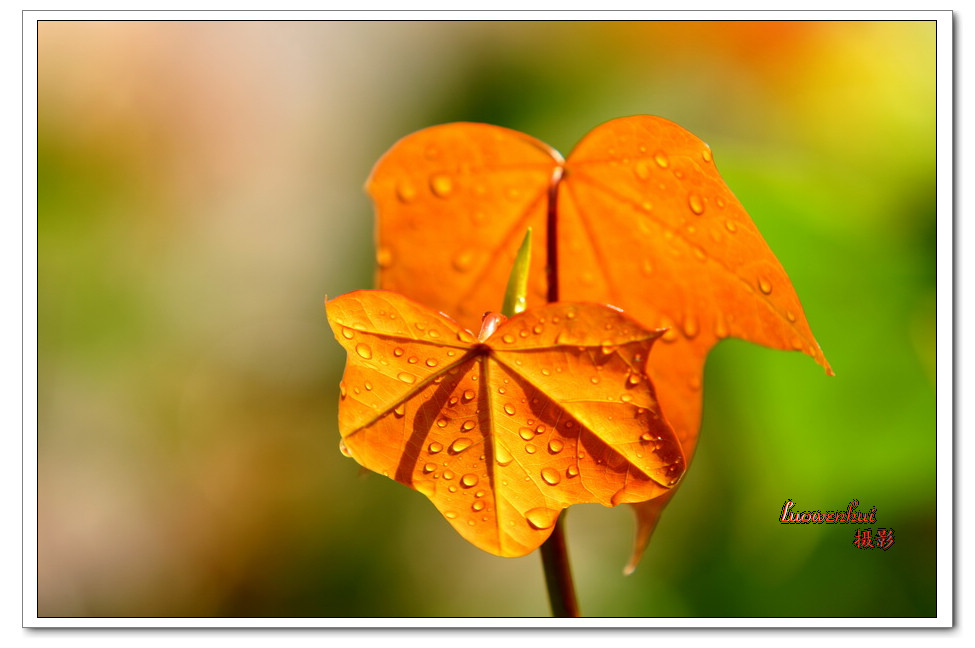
644 222
553 409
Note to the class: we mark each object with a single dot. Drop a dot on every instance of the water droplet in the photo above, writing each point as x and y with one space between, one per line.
434 333
797 343
344 449
342 390
397 352
400 410
530 448
450 515
480 493
435 446
646 437
537 329
509 409
594 380
463 261
699 253
408 378
405 191
468 395
551 476
432 362
641 170
696 203
730 226
690 326
507 338
429 468
764 285
790 316
477 506
468 480
461 444
441 185
633 379
661 159
364 351
526 434
413 360
448 474
368 385
347 333
502 456
720 328
706 153
555 446
468 425
541 518
626 398
694 383
572 471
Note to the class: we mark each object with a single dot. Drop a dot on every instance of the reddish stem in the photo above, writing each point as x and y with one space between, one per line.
555 557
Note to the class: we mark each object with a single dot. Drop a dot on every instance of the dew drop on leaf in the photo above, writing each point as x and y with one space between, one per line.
435 446
551 476
460 444
441 185
468 480
463 261
364 351
502 456
405 191
541 518
384 257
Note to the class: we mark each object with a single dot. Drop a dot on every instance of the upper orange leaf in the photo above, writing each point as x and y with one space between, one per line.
644 222
553 409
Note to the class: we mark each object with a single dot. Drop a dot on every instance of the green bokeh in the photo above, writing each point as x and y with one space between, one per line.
200 192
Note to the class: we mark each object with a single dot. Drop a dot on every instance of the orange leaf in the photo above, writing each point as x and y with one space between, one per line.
644 222
553 409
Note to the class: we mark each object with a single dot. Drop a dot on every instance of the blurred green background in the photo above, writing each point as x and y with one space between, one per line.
200 192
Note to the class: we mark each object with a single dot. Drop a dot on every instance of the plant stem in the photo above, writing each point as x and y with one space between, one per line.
558 575
555 557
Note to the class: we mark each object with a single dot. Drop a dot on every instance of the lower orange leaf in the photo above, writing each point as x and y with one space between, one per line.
554 408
